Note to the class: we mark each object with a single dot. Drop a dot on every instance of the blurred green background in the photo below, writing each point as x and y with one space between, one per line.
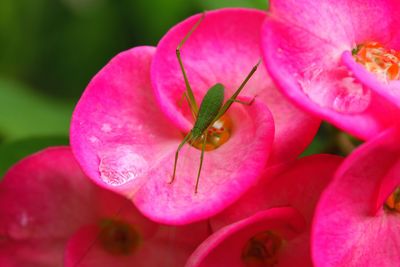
50 49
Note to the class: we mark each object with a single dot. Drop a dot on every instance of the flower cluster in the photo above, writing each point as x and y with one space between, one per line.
120 196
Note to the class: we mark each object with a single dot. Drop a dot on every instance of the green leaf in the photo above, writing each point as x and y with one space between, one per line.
12 152
24 113
317 146
212 4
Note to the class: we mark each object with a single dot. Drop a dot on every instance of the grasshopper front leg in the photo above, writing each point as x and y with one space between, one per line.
248 103
232 99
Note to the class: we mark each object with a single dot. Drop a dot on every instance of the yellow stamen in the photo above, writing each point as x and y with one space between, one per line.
393 201
383 62
217 135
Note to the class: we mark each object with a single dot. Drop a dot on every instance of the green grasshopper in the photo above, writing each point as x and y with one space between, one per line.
211 108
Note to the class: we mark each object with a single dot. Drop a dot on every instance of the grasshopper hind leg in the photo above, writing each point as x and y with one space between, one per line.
189 92
187 138
203 148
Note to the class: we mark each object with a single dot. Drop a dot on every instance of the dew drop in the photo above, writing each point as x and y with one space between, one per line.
350 96
121 164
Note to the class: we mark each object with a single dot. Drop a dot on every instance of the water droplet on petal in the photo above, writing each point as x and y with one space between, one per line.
351 96
121 164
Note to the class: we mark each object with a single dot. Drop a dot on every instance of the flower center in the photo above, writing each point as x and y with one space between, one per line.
118 237
262 250
217 134
393 201
383 62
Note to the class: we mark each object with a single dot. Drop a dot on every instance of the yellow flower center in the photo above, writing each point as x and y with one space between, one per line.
262 250
383 62
217 134
392 203
118 237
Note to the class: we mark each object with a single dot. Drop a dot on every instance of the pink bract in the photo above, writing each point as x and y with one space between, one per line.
166 246
351 226
34 228
121 139
121 135
223 49
225 247
46 201
299 187
307 48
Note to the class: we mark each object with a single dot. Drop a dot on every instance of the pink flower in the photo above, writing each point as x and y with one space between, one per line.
358 217
270 224
47 202
337 59
264 239
125 135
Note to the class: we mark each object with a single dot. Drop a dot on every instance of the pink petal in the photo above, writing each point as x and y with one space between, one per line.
169 246
224 247
77 252
302 44
32 253
122 139
227 172
117 131
308 70
299 186
46 198
223 49
118 134
347 230
38 211
342 23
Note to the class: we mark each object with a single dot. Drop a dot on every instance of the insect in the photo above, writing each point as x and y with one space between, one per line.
211 107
